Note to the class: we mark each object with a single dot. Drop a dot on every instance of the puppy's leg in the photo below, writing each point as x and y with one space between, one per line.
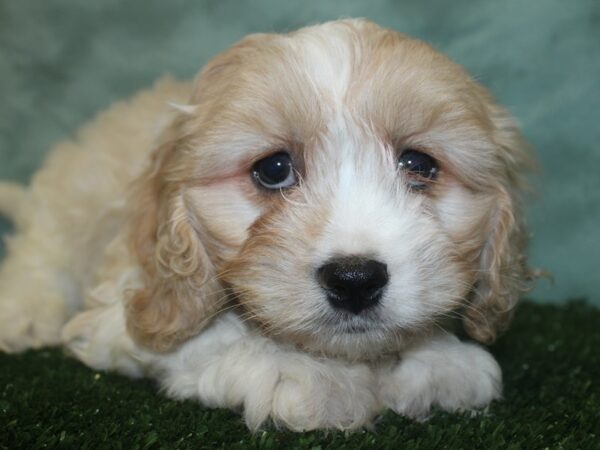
443 372
98 338
224 368
228 366
37 293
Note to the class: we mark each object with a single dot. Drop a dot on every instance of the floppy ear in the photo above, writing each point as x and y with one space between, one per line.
503 271
181 293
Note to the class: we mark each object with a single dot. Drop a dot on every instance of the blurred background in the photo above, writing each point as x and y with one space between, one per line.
62 61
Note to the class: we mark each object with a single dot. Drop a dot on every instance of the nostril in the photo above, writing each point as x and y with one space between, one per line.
353 283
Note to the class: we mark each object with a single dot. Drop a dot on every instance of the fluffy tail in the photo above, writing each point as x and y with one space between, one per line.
12 199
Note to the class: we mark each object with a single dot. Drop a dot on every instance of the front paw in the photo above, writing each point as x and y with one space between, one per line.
334 396
98 338
445 373
21 329
289 389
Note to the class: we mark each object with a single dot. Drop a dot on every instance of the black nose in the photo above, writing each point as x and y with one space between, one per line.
353 283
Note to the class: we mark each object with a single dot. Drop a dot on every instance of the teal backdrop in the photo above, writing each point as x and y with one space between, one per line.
61 61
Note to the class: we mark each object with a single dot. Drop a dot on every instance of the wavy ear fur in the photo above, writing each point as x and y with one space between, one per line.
503 271
503 275
181 292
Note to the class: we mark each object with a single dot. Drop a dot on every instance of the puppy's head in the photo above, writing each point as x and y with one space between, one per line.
348 186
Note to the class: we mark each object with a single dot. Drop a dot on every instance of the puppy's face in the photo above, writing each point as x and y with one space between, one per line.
350 187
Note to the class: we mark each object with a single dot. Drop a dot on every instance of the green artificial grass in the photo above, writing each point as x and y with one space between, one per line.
550 358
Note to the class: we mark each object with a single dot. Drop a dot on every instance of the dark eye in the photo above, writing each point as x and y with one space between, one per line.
420 166
275 171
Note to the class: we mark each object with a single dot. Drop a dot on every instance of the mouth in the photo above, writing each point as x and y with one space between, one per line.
344 324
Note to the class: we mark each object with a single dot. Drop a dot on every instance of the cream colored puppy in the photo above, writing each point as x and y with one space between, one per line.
288 237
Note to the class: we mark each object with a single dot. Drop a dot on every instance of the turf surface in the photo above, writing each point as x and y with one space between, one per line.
551 366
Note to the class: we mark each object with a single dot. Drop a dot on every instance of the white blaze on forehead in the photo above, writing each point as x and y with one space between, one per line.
327 59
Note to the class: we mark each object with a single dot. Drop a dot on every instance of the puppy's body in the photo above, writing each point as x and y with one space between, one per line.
158 253
74 209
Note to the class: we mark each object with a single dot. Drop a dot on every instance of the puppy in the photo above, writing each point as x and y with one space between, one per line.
292 243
